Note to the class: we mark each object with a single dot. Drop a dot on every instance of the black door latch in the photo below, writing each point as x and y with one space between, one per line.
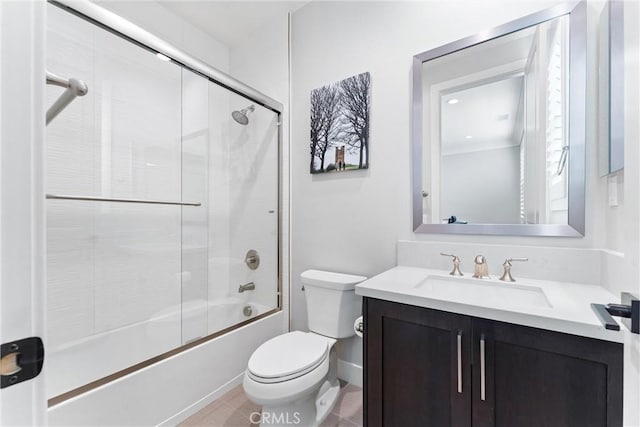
20 361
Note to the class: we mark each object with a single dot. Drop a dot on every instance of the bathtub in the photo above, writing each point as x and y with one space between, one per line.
167 392
80 362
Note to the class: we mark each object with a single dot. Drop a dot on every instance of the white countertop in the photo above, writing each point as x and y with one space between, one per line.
568 309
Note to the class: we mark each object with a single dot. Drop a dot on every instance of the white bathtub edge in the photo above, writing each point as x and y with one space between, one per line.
163 392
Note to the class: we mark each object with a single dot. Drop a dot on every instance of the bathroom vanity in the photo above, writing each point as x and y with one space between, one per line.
449 351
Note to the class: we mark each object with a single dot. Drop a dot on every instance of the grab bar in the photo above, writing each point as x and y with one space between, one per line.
108 199
74 88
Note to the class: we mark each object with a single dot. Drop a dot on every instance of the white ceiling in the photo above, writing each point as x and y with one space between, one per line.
231 21
487 79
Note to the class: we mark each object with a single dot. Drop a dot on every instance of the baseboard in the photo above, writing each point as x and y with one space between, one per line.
214 395
350 372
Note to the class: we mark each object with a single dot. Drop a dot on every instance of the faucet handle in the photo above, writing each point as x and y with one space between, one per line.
456 264
506 275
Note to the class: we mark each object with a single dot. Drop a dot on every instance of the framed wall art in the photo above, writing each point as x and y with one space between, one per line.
339 137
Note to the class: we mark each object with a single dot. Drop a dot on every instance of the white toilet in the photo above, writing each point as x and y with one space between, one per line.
294 375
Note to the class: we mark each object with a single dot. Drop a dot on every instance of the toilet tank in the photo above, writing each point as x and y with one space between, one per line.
332 304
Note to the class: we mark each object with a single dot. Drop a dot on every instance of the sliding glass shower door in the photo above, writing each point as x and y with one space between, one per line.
163 262
244 212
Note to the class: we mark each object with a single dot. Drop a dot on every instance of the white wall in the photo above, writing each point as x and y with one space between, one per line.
351 222
482 187
621 223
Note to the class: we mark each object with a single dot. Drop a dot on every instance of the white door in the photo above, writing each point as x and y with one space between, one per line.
22 215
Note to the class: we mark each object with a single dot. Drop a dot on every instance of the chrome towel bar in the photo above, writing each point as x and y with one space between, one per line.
109 199
74 88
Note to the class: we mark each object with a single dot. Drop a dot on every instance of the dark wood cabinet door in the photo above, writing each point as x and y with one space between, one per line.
537 378
411 366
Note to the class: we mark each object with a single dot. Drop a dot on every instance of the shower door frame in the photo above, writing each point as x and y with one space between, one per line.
119 26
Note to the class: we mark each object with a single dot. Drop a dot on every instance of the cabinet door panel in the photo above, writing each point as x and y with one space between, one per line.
537 378
416 387
411 365
572 389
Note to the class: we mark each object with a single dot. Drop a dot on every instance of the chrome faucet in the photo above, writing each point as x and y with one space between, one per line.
506 275
481 269
246 287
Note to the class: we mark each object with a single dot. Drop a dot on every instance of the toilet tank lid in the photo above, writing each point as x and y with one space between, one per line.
331 280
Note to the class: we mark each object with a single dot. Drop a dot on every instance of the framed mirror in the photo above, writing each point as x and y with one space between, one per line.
499 129
611 88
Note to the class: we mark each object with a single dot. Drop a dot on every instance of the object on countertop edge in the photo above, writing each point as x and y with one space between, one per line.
454 220
629 310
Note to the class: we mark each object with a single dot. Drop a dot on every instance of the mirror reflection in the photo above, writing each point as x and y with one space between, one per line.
495 141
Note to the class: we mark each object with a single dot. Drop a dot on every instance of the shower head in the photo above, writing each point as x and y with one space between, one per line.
241 116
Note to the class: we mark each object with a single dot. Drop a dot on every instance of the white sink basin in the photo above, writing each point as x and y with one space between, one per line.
483 292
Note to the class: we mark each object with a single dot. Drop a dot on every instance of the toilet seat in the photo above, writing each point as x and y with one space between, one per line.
287 357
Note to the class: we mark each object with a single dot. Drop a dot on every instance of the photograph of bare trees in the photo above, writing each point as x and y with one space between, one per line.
340 125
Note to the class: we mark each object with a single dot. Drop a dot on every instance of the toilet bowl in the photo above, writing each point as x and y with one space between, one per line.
286 374
294 375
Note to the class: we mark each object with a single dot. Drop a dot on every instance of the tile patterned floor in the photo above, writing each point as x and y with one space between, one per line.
234 410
